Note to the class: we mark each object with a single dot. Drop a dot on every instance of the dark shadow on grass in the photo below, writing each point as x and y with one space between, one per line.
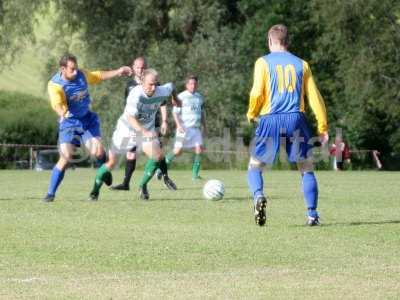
361 223
21 198
364 223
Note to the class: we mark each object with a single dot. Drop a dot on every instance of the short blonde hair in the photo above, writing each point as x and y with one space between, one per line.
148 72
279 33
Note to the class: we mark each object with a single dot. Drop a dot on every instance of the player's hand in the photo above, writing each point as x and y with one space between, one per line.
124 71
253 122
164 128
180 129
66 115
324 138
148 133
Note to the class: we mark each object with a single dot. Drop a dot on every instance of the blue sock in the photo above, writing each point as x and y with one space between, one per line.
310 190
55 180
255 181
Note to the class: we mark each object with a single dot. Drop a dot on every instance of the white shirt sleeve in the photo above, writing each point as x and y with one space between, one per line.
177 110
132 103
167 88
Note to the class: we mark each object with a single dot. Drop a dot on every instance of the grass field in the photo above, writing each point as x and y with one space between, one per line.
179 246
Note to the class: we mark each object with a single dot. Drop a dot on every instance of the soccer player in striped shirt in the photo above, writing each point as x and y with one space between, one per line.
69 96
281 82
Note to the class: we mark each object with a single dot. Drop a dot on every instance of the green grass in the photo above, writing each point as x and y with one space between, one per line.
179 246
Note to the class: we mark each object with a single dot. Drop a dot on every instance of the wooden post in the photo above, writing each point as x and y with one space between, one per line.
30 158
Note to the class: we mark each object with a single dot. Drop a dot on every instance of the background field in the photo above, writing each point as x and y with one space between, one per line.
179 246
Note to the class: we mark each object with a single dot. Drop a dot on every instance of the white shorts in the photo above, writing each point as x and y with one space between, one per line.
189 139
124 139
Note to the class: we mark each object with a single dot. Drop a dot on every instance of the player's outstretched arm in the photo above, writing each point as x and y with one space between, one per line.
122 71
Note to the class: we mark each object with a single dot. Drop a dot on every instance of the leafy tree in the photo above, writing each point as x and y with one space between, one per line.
17 19
357 52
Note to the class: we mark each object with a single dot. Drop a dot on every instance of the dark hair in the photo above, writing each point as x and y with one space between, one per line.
132 62
190 77
66 58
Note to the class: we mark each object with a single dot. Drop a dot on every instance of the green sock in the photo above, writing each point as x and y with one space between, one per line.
149 169
163 166
169 158
99 179
196 166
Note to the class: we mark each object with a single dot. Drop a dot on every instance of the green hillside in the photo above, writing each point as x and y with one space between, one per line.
25 75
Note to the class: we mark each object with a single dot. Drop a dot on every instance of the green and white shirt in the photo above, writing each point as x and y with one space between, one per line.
143 107
192 106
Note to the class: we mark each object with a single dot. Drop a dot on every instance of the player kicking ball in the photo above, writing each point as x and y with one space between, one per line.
190 122
136 126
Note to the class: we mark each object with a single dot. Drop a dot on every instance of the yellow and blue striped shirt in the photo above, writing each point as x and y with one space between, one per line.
72 95
281 80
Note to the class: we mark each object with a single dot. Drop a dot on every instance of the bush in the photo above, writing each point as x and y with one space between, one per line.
25 119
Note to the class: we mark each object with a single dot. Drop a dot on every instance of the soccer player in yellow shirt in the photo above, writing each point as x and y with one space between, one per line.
70 99
281 82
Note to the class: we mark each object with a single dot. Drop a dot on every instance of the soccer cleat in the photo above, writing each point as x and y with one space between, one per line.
197 178
107 178
144 193
313 221
48 198
169 183
260 215
159 174
93 196
120 187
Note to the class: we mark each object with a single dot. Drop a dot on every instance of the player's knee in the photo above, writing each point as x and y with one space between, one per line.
255 164
177 151
62 163
157 156
98 152
305 166
130 155
65 156
111 162
198 150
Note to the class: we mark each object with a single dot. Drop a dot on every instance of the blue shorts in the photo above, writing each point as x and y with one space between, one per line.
75 130
289 130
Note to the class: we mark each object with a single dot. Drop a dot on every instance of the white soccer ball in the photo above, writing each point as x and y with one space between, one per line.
214 190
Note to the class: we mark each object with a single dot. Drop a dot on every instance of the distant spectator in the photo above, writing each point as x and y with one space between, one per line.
341 154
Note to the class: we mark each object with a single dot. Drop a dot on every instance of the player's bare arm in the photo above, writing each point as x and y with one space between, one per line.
122 71
139 128
164 123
